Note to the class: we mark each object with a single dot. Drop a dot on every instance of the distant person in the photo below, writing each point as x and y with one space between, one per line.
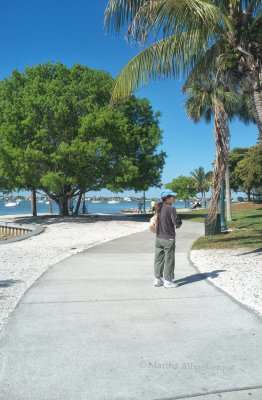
153 205
196 204
168 222
139 206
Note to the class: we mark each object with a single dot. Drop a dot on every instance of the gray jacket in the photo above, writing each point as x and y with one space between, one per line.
167 221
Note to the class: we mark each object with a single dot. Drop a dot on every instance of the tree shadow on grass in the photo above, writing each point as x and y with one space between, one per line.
253 216
247 240
199 277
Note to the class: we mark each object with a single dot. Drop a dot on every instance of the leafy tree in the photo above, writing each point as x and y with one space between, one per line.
257 193
234 156
249 169
59 135
202 180
184 186
198 37
142 140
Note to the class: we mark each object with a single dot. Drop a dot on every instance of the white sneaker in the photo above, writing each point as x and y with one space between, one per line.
158 282
170 284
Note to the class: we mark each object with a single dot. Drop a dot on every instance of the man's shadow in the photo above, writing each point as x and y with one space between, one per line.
199 277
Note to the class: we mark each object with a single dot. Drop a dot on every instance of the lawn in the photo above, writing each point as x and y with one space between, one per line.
246 224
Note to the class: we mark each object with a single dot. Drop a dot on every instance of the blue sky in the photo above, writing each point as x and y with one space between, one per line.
34 31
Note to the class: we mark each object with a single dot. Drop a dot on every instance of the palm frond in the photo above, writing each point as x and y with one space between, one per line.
206 64
169 17
199 102
254 6
172 57
118 13
257 19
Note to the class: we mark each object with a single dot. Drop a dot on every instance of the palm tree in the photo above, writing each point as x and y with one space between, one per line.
203 181
208 98
197 37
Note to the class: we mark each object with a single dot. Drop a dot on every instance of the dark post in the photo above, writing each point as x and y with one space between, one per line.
144 194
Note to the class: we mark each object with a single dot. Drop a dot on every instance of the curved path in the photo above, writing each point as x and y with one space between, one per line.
93 327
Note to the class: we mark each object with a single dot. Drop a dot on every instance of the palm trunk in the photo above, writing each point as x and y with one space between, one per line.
202 200
256 103
228 196
221 133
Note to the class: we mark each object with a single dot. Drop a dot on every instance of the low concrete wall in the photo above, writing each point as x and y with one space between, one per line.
19 231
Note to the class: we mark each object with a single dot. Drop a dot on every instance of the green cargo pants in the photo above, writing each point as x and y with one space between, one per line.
164 259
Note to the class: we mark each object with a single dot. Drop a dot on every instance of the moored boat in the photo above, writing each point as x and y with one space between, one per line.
11 204
113 201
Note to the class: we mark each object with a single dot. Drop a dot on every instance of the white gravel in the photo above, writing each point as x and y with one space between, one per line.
242 275
23 262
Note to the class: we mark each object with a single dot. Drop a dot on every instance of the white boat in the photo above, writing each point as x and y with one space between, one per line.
127 199
11 204
96 201
113 201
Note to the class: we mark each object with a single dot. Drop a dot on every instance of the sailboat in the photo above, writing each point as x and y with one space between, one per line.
11 204
114 201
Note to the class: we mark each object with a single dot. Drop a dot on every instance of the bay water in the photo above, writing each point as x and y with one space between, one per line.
103 207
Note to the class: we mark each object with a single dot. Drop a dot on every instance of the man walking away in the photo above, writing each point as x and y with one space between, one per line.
168 221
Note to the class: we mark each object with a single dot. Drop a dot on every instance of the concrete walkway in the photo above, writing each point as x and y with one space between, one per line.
94 328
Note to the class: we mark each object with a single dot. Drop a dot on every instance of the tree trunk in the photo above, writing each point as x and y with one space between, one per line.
33 203
202 200
256 103
84 210
50 205
78 202
248 195
228 196
222 135
63 206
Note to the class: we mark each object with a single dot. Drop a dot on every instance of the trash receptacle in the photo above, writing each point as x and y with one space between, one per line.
214 227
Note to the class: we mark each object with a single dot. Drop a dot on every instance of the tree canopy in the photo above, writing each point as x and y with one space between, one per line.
184 186
249 169
202 180
234 156
59 135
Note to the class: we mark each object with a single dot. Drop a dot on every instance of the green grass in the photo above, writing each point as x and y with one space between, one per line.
246 224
